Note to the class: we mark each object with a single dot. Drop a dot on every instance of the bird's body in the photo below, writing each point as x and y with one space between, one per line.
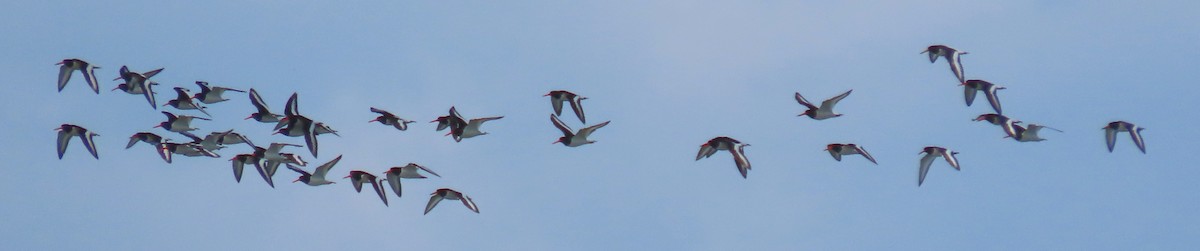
1029 133
70 65
931 153
178 123
167 149
560 96
837 150
68 131
1135 132
953 56
149 138
357 178
825 111
971 87
1004 122
735 147
450 194
571 138
240 161
211 95
387 118
461 129
317 177
139 83
264 114
394 174
184 101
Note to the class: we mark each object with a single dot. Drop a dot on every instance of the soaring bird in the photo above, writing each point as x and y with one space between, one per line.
394 174
449 194
317 177
558 97
826 109
240 161
1004 122
734 147
166 149
70 65
68 131
357 178
1029 133
178 123
952 56
989 90
149 138
570 137
387 118
139 83
461 128
1110 134
931 153
837 150
212 94
184 101
264 113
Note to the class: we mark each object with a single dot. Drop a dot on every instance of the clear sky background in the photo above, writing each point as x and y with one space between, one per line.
670 75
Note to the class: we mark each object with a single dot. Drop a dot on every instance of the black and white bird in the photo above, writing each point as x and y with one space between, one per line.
184 101
837 150
139 83
148 137
1029 133
1004 122
317 177
357 178
443 122
954 57
394 174
70 65
178 123
264 112
212 142
570 137
212 94
825 111
735 147
240 161
971 87
295 125
167 149
560 96
387 118
68 131
1110 134
449 194
460 128
931 153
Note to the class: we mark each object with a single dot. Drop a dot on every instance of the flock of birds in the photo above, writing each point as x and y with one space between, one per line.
291 123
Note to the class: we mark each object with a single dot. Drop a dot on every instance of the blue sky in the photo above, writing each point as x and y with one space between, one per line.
670 75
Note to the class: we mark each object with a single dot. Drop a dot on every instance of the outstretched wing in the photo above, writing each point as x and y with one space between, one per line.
830 103
926 161
1134 131
864 153
433 201
587 131
566 130
578 107
324 169
800 99
258 102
